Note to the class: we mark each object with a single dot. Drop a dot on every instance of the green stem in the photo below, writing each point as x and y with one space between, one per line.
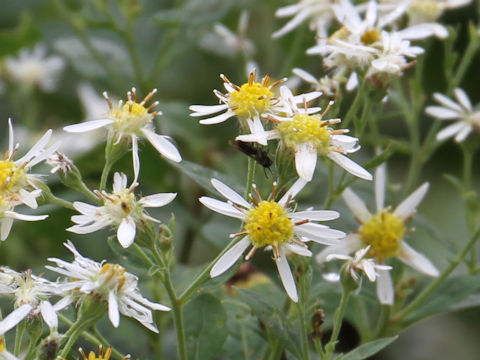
303 326
467 57
318 346
354 107
18 337
438 281
71 335
382 322
250 176
337 324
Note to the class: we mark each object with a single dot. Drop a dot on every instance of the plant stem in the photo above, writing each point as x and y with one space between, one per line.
337 324
250 176
18 337
438 281
303 326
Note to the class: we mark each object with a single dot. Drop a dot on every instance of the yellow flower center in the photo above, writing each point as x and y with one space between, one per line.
11 176
120 204
130 117
113 276
370 36
384 232
2 346
268 224
305 129
251 98
101 355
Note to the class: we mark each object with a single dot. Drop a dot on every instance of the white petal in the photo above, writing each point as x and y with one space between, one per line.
63 303
385 291
320 230
408 206
417 261
87 126
463 133
86 229
298 249
305 160
293 191
24 217
346 246
352 82
442 113
201 110
113 313
136 160
349 165
463 99
286 276
217 119
163 145
260 138
315 215
230 257
157 200
5 227
331 277
87 209
450 130
37 148
117 184
292 24
380 179
221 207
371 15
307 97
442 99
356 205
49 314
369 270
422 31
306 76
10 138
126 232
229 193
14 318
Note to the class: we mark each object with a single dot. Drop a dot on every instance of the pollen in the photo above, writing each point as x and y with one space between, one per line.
11 176
306 129
250 98
384 232
268 224
113 276
370 36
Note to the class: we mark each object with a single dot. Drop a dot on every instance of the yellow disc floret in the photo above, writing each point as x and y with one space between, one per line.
112 276
250 98
370 36
101 354
121 204
268 224
130 117
305 129
12 177
384 232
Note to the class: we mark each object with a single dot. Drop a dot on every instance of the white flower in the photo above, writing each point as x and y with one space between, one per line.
273 225
467 120
320 13
131 120
225 42
309 136
59 161
326 85
16 182
110 283
34 68
120 209
359 263
31 295
383 231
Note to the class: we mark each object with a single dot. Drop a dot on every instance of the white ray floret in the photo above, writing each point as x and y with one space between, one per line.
271 225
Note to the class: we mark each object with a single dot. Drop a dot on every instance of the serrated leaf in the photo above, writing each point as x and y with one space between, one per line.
371 348
453 291
205 321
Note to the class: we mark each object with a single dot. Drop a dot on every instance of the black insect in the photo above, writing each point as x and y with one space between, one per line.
255 152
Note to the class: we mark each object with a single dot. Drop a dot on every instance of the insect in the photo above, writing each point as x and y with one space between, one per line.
255 152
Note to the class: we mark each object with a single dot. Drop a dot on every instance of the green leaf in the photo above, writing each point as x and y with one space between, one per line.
366 350
205 321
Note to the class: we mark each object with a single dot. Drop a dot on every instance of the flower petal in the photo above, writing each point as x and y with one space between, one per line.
49 314
229 193
442 113
417 261
349 165
356 205
385 292
305 160
293 191
346 246
163 145
463 99
221 207
463 133
201 110
113 313
136 160
157 200
230 257
409 205
14 318
315 215
87 126
445 101
5 227
126 232
286 276
218 119
380 179
450 130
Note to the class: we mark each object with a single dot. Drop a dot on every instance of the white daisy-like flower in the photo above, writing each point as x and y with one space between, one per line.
31 294
274 225
131 120
107 282
308 135
34 68
318 12
359 263
327 85
466 118
120 209
384 232
17 184
248 102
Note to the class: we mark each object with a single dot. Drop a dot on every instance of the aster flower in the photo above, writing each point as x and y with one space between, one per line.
274 225
308 135
248 102
326 85
318 12
384 232
131 120
31 294
467 120
16 182
120 209
358 264
34 68
107 282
